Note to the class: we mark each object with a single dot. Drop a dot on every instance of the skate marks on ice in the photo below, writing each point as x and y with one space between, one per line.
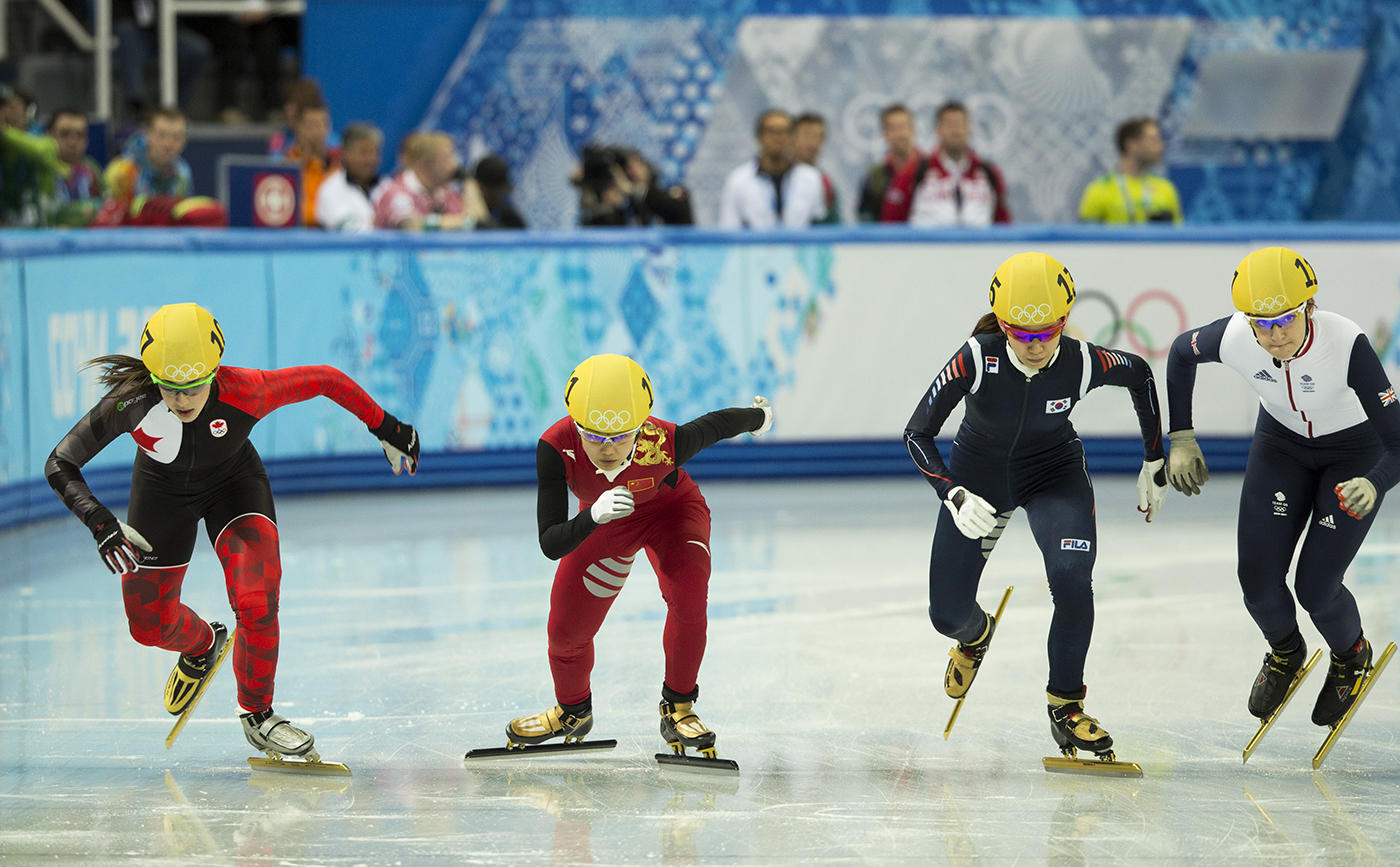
1366 684
1268 722
948 729
199 693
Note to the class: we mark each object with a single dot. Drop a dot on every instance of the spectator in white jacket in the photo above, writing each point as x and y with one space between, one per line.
345 200
773 190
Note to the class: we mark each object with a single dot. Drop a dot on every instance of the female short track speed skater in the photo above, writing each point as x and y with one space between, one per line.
624 465
1326 448
190 418
1020 378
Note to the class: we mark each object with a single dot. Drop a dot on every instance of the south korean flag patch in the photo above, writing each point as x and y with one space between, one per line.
1058 405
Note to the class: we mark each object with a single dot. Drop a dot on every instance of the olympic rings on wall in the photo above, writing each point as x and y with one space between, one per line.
1149 338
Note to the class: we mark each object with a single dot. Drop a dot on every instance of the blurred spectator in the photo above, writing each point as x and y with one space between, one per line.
150 164
772 190
953 187
19 110
29 167
897 126
134 26
493 179
422 196
808 137
74 200
618 187
346 198
309 149
300 93
1131 194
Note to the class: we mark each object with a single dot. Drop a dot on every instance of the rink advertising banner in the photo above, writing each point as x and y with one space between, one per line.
471 339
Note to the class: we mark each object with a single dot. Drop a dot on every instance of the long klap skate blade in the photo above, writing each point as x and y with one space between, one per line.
189 709
1268 723
698 763
1360 697
539 749
1092 767
297 766
953 717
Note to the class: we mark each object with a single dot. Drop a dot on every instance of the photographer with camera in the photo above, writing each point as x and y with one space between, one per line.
618 187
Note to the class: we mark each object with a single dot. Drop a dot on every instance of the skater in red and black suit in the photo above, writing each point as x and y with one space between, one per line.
190 419
625 468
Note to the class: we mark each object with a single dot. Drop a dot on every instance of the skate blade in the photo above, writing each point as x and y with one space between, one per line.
537 749
1268 723
1360 697
1092 767
298 766
199 694
698 763
948 729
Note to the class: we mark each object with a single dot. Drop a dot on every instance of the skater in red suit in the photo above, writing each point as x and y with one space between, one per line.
625 468
190 419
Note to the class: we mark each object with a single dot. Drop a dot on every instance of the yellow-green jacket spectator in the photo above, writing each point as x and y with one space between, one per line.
29 168
1132 194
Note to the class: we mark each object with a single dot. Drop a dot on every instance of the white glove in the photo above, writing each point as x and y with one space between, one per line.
761 402
1186 466
1357 496
139 541
1152 485
613 504
973 515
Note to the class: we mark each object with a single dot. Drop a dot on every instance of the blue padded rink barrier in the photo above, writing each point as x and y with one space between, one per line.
413 629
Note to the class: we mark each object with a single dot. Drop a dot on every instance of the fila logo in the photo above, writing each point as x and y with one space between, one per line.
993 363
218 427
1327 522
1074 544
1058 405
1264 375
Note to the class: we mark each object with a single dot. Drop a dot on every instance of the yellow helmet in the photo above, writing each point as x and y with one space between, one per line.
1272 280
609 394
181 345
1031 289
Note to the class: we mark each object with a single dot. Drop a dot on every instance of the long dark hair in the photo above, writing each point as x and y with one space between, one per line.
988 324
123 376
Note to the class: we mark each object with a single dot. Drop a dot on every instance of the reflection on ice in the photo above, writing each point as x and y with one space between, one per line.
822 678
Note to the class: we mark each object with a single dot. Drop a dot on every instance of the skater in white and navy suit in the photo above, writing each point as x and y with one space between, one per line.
1326 448
1020 379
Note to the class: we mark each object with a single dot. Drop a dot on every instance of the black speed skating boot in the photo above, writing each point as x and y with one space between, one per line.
1275 677
1344 677
1073 729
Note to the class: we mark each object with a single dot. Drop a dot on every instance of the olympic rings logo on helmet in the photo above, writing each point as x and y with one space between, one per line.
1029 313
184 372
609 420
1269 305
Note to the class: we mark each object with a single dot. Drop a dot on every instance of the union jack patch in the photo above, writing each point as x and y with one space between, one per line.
1387 397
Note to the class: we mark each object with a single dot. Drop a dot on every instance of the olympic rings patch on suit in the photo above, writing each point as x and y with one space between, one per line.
607 419
184 372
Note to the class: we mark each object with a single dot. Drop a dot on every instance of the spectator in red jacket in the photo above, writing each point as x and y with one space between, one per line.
954 186
897 126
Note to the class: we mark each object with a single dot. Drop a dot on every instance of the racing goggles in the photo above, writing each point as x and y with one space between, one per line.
184 386
590 436
1283 320
1021 335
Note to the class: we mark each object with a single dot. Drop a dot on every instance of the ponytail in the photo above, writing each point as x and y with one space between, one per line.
988 324
123 376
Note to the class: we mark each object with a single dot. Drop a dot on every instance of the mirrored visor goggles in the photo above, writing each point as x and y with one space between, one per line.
184 386
590 436
1021 335
1283 320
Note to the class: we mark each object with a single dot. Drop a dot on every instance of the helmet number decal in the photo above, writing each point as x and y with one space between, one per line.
651 399
1308 274
992 292
216 337
1069 290
146 339
573 381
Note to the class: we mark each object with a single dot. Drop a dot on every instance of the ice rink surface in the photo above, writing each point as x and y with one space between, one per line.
413 629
